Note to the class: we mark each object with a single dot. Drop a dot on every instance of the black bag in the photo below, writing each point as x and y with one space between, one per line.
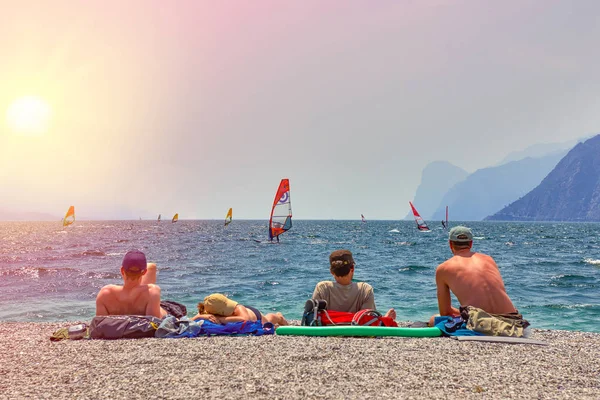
123 326
311 312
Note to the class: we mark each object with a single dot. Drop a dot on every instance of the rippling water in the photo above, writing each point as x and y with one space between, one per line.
551 270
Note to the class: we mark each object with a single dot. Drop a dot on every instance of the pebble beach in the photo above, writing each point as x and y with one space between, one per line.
285 367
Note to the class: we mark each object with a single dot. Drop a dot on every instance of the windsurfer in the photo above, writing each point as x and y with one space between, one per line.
343 294
474 279
139 294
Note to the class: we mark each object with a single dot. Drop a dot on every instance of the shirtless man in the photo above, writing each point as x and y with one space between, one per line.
474 279
343 294
139 294
220 309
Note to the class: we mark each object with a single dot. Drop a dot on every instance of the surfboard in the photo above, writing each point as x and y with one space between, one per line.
356 331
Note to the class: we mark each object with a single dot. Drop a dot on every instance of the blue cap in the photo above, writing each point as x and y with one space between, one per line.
134 261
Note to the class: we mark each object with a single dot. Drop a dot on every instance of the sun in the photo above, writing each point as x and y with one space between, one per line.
28 116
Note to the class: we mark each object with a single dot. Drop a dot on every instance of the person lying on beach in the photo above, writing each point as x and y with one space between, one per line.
474 278
139 294
220 309
343 294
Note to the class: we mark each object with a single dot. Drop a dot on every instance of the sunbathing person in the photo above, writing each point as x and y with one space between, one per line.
139 294
474 279
343 294
218 308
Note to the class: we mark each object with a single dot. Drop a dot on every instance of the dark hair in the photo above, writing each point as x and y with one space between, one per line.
133 275
341 268
461 245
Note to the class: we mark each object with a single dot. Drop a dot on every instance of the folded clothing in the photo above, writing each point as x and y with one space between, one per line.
478 320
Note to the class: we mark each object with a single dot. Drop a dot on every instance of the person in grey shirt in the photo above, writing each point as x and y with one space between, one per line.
343 294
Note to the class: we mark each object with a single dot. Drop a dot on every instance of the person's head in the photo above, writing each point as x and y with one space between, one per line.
341 263
460 238
134 265
217 304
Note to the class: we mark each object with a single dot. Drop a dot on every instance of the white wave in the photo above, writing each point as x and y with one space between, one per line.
592 261
394 231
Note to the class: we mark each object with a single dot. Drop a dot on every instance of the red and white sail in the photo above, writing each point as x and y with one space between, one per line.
281 212
421 225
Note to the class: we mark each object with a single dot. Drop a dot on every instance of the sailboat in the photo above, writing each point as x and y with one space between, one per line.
281 213
421 225
69 216
158 217
175 218
363 218
228 217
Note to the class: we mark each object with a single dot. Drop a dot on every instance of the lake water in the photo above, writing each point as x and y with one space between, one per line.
47 273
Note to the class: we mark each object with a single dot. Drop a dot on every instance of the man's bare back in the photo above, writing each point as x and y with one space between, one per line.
475 280
143 299
139 294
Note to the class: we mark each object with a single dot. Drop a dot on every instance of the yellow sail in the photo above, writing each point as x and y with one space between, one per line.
228 217
69 216
175 218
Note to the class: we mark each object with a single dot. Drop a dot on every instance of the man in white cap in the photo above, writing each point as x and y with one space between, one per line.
474 279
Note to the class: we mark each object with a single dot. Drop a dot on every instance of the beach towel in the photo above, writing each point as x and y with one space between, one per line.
453 326
172 327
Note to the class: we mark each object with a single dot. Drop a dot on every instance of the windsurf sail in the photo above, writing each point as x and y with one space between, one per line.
446 218
175 218
69 216
363 218
228 217
281 213
158 217
421 225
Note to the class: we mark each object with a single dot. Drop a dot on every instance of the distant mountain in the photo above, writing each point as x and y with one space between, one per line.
541 150
27 216
570 192
436 179
489 189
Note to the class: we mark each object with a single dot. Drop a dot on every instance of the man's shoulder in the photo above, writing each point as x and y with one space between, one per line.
364 286
111 288
324 284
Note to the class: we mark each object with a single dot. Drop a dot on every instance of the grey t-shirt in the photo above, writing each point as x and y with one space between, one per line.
349 298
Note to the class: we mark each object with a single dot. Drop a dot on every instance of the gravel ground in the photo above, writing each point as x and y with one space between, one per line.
285 367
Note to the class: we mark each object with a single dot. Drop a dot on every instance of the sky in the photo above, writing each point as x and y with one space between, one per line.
197 106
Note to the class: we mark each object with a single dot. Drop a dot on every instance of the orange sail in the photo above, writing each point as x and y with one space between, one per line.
228 217
281 213
69 216
175 218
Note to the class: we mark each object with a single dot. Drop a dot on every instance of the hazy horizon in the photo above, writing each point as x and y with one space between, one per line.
144 107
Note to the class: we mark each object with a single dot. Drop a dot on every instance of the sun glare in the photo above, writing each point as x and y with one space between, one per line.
28 115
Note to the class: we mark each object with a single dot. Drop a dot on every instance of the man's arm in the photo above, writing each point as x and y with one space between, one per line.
208 317
369 302
100 306
153 306
443 293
